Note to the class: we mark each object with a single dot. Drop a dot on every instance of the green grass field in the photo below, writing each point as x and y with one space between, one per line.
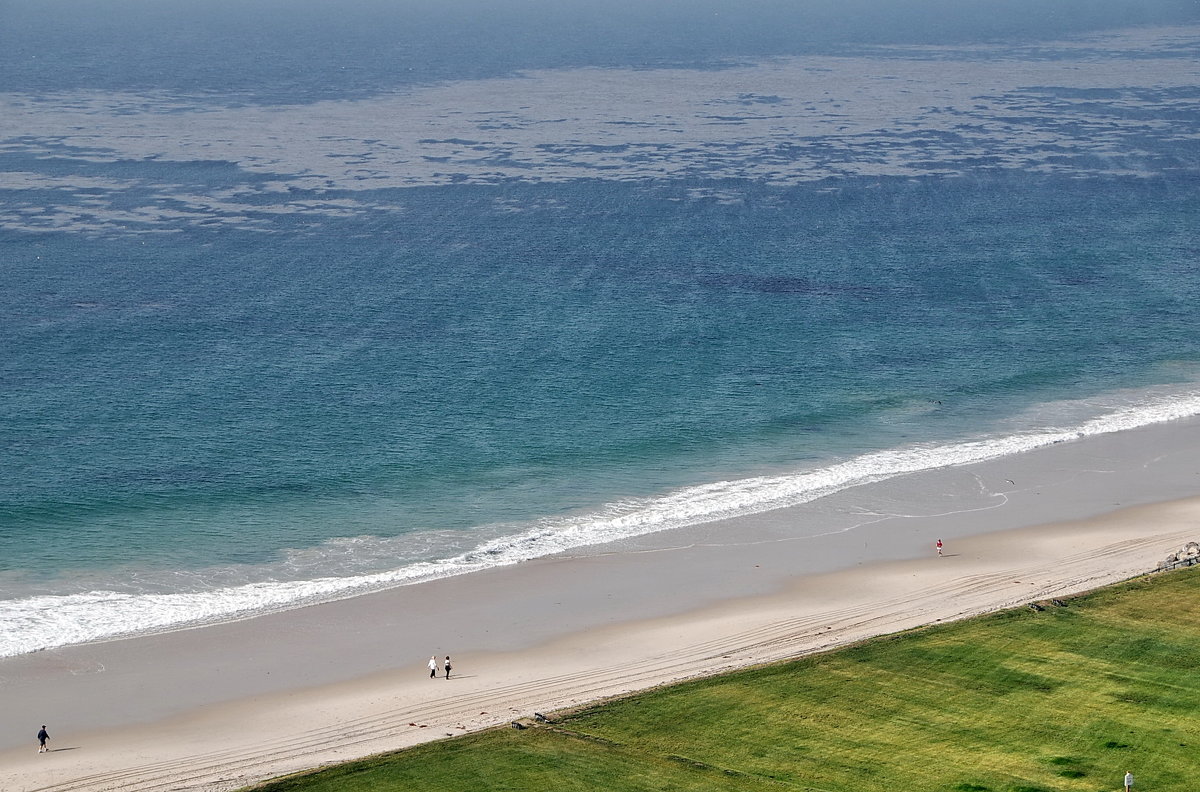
1021 701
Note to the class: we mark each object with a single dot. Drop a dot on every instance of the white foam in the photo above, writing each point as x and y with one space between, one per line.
47 621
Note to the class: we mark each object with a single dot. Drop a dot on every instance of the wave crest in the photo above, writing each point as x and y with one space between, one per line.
47 621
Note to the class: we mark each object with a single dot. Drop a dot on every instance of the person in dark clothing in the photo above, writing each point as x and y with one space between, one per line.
43 738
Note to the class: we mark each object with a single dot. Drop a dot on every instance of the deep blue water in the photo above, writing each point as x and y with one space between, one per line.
280 51
201 390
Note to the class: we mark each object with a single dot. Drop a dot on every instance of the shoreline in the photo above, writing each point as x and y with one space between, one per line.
65 619
346 679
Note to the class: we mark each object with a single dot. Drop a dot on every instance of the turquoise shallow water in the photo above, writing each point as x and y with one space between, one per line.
247 369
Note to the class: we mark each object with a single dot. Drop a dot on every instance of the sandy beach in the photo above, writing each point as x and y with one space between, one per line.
223 706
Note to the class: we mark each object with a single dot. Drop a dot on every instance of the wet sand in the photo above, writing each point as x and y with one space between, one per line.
222 706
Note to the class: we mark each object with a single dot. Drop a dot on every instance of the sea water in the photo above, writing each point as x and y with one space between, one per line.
298 305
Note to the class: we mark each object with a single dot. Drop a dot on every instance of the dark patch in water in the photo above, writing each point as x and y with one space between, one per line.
786 284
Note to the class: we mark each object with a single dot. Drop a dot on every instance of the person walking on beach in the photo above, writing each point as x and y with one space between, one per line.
43 738
1128 782
432 666
447 666
939 546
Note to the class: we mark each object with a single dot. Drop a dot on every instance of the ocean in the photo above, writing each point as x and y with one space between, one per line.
301 303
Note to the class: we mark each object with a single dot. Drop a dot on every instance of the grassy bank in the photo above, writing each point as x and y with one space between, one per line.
1067 698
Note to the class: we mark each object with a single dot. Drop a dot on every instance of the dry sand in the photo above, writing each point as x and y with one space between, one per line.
223 706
